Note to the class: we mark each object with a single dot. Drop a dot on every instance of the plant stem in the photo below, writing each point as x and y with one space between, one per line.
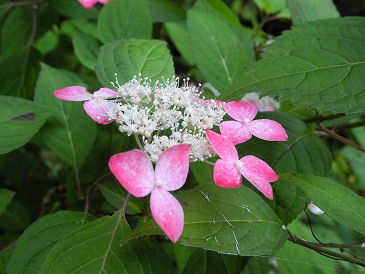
138 141
323 249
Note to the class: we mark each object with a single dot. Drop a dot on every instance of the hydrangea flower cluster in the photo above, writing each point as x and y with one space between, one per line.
173 126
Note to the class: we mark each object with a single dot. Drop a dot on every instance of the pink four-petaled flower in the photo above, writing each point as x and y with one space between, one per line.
244 127
134 171
227 170
96 105
90 3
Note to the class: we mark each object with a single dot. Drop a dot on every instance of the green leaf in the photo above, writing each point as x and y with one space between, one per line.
311 10
20 120
317 64
124 19
69 133
4 259
129 58
95 248
115 194
203 172
40 237
19 73
337 201
273 6
257 265
220 62
86 48
179 35
225 220
16 22
5 198
47 43
165 11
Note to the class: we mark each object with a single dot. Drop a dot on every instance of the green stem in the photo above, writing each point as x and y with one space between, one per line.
138 141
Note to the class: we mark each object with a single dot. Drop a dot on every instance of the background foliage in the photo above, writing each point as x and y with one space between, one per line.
60 205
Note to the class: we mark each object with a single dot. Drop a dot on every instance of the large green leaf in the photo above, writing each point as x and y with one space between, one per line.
69 133
73 9
337 201
220 62
40 237
310 10
86 48
230 221
5 198
124 19
165 11
20 119
318 64
95 248
129 58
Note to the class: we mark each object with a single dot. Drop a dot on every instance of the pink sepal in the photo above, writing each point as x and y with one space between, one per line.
222 146
173 166
267 130
98 109
240 111
133 169
105 93
235 131
88 4
168 213
226 174
258 173
73 93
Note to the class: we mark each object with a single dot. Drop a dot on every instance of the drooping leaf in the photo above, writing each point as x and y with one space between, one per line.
115 194
69 132
86 48
311 10
20 119
220 62
5 198
124 19
317 64
40 237
230 221
337 201
95 248
129 58
165 11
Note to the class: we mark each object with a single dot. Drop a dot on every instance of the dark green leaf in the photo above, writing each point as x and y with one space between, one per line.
203 172
129 58
73 9
230 221
4 259
40 237
19 73
69 133
124 19
337 201
220 62
20 120
257 265
311 10
5 198
115 194
47 43
95 248
318 64
165 11
86 48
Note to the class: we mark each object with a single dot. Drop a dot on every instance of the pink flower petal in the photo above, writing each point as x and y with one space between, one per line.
88 3
172 167
73 93
222 146
267 130
168 213
105 93
240 111
258 173
226 174
98 110
134 171
235 131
